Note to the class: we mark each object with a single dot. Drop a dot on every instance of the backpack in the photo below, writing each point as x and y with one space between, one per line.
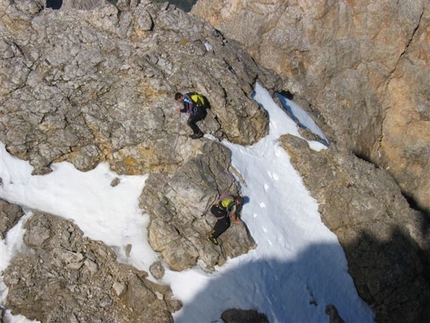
226 202
198 99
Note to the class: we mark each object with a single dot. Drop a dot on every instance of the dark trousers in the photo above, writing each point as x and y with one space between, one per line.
222 223
193 118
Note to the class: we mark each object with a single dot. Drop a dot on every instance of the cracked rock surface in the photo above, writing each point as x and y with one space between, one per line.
361 67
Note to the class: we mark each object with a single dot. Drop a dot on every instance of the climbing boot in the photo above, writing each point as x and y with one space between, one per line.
213 240
197 135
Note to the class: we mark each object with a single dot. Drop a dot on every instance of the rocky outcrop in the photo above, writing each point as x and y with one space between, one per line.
238 316
178 229
90 86
82 276
363 68
9 216
387 244
98 85
332 312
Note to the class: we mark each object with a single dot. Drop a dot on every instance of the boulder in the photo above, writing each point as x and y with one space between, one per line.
179 204
9 216
82 276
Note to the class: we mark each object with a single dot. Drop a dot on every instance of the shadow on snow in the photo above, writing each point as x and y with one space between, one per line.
391 276
295 291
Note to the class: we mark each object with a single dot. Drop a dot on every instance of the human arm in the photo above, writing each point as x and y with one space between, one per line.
184 99
184 108
188 105
235 216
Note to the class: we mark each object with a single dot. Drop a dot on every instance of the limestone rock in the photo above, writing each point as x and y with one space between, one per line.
157 270
178 205
386 243
95 85
82 4
83 277
363 68
9 216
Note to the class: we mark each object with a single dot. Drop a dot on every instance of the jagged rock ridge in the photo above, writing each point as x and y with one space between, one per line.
385 241
361 67
97 85
92 86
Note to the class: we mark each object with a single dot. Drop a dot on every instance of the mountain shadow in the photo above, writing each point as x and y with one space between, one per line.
391 276
316 279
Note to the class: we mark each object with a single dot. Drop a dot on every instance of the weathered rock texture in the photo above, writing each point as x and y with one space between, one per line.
387 244
9 216
94 85
63 277
98 85
178 228
363 66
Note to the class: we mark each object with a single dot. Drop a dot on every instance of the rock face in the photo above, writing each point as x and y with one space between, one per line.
178 228
98 85
9 216
363 67
386 243
82 276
